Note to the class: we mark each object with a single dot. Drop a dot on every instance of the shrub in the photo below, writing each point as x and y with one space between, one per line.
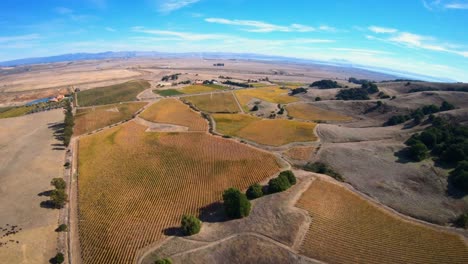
459 176
58 183
322 168
190 225
163 261
58 198
318 99
446 106
58 259
290 176
462 221
62 228
278 184
236 203
254 108
418 151
254 191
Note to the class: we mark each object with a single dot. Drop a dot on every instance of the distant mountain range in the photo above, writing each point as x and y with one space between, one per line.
212 55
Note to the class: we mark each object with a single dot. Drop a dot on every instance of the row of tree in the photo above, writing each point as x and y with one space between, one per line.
418 114
243 85
69 123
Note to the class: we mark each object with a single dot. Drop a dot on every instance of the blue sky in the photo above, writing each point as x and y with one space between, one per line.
420 36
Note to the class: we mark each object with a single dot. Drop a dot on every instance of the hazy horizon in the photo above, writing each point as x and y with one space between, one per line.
419 37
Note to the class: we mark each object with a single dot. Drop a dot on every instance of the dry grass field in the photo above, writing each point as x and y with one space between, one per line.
346 228
111 94
275 132
134 186
215 103
92 118
309 112
30 156
173 111
300 153
40 80
269 94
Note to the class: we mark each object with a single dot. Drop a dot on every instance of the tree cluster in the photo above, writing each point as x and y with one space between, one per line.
325 84
448 143
353 94
322 168
236 204
69 123
418 114
428 89
243 85
172 77
297 91
356 81
281 183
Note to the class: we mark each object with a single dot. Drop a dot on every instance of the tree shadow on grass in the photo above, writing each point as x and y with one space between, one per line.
453 191
173 231
47 204
213 213
403 156
45 193
58 129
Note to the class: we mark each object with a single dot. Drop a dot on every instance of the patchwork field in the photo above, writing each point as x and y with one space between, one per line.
134 186
191 89
173 111
269 94
112 94
346 228
312 113
215 103
274 132
90 119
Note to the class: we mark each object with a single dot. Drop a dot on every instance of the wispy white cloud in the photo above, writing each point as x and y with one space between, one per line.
441 4
418 41
110 29
379 30
263 27
456 5
180 35
167 6
19 38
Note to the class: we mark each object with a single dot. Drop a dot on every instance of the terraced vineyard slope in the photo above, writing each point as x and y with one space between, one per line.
112 94
134 185
215 103
346 228
90 119
173 111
